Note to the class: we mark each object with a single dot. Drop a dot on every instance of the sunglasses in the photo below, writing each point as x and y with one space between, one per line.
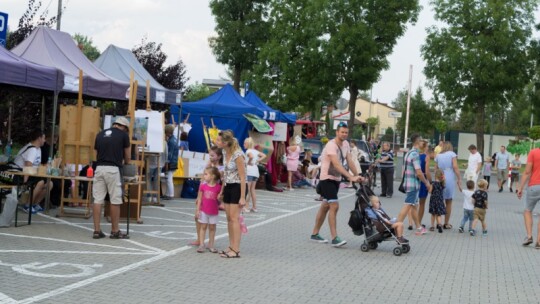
342 125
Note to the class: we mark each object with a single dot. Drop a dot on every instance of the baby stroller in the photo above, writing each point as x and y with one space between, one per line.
374 231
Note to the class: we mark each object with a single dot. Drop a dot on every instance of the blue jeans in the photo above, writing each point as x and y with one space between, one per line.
467 216
301 183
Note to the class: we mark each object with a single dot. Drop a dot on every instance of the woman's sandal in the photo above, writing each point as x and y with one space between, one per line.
229 254
201 249
212 250
98 235
447 226
431 228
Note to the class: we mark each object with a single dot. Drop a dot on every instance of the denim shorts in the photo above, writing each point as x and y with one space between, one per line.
252 178
533 196
412 197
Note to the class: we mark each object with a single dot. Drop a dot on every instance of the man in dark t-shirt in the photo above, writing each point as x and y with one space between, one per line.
113 151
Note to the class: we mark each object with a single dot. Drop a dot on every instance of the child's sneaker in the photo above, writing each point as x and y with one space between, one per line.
460 229
38 208
421 231
472 232
318 238
484 233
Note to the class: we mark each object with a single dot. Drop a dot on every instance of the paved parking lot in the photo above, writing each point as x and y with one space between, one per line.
55 260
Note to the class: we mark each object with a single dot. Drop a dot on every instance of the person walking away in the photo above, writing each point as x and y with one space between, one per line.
487 170
386 163
531 177
172 160
436 202
514 173
413 175
447 162
425 159
474 164
208 208
293 154
438 148
113 151
468 207
480 201
333 157
30 156
502 161
233 193
253 157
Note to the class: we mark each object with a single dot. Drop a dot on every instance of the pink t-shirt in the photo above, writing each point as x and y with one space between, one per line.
332 148
209 199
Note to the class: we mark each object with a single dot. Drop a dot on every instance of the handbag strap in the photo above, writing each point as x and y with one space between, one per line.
404 166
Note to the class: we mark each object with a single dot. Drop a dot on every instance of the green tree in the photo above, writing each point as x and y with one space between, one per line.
153 60
423 115
242 28
197 91
27 23
292 72
362 34
87 46
479 58
372 123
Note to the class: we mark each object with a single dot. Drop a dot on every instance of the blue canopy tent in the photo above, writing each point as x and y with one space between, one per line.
225 107
269 113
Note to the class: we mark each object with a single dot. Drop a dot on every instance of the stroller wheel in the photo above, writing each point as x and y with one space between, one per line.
364 247
373 245
406 248
397 251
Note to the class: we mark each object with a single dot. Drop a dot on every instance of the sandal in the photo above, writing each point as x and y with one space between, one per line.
212 250
98 235
229 254
447 226
431 228
201 249
118 235
225 252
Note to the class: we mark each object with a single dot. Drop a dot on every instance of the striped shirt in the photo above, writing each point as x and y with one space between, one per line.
412 163
389 163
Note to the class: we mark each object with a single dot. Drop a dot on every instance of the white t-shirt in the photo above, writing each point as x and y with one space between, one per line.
467 199
252 169
28 154
474 160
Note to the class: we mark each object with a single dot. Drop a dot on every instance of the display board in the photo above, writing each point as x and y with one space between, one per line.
155 129
264 141
280 131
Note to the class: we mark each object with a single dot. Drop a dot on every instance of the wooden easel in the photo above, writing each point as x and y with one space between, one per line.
139 160
77 146
148 155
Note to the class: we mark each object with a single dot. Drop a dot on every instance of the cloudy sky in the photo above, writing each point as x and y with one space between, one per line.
183 26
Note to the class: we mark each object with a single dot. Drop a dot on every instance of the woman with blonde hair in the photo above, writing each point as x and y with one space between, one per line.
293 155
233 193
446 160
254 156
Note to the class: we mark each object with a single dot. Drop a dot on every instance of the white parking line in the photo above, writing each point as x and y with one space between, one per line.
6 300
136 265
78 252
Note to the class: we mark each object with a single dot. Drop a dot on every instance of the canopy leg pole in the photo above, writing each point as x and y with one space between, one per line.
55 109
43 112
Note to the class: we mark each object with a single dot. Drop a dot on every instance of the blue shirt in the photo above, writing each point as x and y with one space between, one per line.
388 163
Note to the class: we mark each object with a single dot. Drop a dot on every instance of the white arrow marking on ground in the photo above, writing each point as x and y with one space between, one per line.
6 300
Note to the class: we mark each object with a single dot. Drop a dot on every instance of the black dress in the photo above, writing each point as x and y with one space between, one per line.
436 200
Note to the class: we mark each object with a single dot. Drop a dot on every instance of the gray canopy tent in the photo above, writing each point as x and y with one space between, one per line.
57 49
119 63
19 72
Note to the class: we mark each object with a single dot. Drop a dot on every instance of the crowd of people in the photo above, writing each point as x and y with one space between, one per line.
229 180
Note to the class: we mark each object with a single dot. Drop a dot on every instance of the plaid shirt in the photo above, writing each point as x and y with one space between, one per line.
412 163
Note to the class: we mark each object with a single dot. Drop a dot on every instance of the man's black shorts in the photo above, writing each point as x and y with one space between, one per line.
329 190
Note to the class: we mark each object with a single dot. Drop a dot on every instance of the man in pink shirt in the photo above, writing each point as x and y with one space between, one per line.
532 174
335 156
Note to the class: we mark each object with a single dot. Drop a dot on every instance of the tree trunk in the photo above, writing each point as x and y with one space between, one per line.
480 125
353 92
237 74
